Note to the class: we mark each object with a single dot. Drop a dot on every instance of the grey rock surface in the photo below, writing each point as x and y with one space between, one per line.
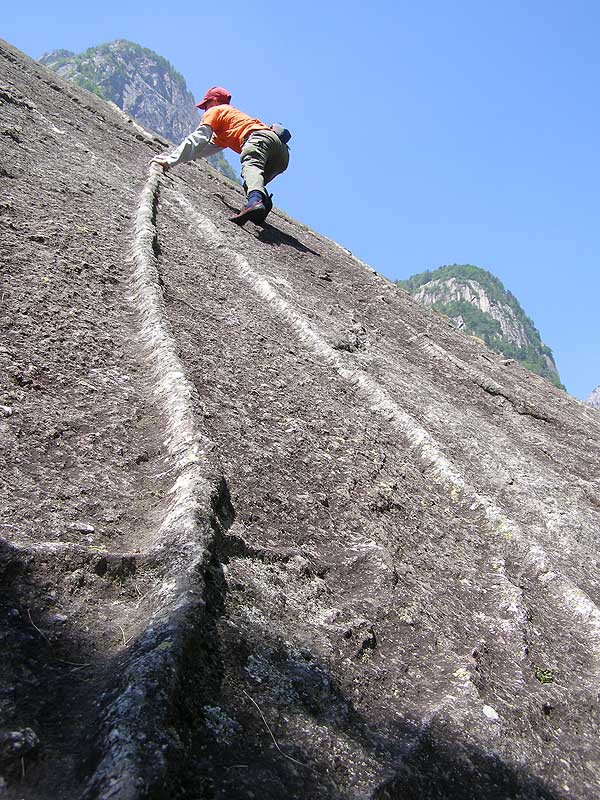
339 549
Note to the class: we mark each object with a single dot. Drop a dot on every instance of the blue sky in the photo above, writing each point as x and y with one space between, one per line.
448 131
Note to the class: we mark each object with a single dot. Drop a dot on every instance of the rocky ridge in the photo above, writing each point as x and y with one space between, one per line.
141 83
479 304
269 528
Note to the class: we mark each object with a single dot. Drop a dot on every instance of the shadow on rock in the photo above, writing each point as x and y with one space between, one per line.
443 770
249 714
273 236
280 726
46 681
269 234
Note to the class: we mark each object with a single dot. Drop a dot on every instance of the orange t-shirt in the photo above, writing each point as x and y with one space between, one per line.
230 126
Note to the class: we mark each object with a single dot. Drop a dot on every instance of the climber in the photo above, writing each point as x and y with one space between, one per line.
263 149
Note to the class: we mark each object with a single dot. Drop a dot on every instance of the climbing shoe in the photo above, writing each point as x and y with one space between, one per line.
255 209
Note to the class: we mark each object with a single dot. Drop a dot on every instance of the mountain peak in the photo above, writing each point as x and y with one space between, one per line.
141 82
55 55
478 303
594 399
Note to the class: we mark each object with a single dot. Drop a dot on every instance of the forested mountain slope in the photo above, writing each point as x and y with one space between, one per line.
479 305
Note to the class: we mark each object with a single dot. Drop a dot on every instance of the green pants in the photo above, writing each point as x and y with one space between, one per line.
263 157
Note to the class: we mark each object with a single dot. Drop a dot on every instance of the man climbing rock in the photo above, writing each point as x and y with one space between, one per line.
263 149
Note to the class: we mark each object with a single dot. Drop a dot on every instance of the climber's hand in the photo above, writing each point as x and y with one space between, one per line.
161 161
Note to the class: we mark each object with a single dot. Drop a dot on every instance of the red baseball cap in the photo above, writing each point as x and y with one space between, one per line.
214 93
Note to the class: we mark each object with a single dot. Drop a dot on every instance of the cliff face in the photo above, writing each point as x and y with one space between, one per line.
594 399
469 291
254 493
479 305
140 82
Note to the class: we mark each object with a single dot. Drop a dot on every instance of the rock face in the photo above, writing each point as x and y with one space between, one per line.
594 399
270 528
140 82
479 305
470 291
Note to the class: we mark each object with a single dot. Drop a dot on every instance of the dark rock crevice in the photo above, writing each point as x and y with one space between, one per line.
520 406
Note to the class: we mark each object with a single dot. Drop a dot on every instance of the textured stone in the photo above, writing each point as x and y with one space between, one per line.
17 744
355 533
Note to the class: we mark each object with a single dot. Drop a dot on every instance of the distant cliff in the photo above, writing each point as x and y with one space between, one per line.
139 81
594 399
479 304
